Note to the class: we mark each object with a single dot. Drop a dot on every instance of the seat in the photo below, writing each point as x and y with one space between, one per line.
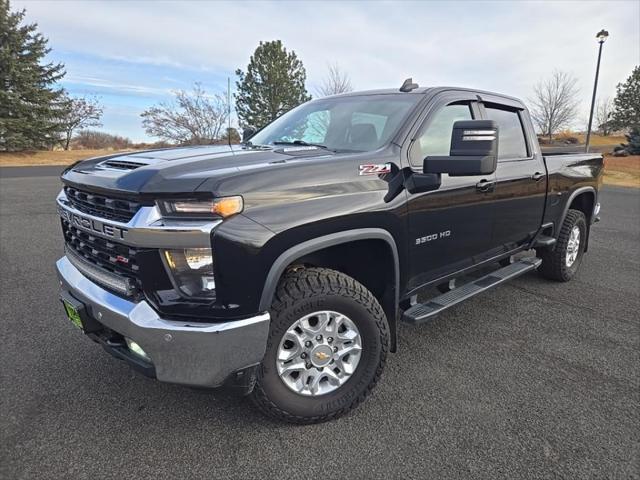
363 136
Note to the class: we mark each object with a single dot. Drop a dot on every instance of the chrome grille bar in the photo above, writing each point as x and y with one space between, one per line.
122 285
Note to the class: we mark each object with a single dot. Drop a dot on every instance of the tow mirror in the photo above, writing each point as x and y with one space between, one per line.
474 150
247 133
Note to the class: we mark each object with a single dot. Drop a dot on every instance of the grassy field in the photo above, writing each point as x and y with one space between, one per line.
599 140
46 157
622 171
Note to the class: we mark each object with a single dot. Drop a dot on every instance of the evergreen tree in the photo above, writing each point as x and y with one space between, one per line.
626 113
633 141
626 106
30 103
273 84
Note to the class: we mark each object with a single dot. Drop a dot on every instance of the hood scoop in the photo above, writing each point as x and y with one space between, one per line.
116 164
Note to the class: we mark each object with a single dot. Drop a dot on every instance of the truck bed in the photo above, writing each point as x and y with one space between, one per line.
569 172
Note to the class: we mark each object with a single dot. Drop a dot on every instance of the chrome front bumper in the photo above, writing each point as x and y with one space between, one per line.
188 353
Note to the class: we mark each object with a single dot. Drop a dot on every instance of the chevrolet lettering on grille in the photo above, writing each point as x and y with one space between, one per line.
93 225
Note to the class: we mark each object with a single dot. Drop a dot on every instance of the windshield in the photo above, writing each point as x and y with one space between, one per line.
356 124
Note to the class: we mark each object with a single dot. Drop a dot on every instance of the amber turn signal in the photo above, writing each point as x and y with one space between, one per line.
221 207
227 206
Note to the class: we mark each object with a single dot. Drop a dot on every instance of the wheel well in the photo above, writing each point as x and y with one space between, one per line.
370 262
584 203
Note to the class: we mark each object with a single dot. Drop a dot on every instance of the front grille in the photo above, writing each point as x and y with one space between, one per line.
108 208
115 258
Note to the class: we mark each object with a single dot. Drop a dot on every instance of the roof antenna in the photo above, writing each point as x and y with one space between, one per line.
408 85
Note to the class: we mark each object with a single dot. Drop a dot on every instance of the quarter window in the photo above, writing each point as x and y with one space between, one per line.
511 142
435 140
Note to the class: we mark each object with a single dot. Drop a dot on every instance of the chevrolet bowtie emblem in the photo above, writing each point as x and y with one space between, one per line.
321 356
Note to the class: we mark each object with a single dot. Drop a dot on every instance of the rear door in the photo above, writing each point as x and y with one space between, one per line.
521 177
449 228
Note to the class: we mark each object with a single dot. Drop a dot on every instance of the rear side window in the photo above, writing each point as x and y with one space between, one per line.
435 140
511 141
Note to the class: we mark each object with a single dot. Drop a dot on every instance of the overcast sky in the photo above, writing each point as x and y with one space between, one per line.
132 54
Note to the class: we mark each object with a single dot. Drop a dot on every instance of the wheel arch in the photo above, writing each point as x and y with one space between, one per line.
583 199
333 249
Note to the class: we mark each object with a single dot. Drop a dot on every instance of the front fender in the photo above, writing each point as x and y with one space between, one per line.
290 255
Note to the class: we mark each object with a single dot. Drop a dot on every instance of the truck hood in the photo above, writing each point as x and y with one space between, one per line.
181 170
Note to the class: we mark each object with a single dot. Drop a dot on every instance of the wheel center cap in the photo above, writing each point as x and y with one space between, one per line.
321 355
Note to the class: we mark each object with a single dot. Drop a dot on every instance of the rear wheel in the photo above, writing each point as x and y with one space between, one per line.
563 261
326 350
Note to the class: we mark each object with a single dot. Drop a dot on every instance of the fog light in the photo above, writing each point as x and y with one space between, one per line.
137 349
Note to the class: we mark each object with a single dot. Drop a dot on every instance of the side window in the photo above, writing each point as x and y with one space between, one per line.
435 140
511 141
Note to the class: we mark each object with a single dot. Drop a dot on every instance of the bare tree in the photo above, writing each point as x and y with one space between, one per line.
78 113
604 109
335 82
555 103
193 118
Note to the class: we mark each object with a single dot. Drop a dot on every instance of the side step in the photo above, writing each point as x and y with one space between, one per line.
544 242
423 312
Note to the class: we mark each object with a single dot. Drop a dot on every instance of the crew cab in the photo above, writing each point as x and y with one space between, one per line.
282 267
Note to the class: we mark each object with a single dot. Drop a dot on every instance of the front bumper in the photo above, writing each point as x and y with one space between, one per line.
188 353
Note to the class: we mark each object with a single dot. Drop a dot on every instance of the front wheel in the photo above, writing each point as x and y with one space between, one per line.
326 350
563 261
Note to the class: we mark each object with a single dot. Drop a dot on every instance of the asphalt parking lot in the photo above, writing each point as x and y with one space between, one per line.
531 380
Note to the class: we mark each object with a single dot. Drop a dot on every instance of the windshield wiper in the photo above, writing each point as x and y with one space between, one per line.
258 146
303 144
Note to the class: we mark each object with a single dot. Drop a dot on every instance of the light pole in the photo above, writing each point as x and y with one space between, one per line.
601 36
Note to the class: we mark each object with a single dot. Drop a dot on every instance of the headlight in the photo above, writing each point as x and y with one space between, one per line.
192 271
218 207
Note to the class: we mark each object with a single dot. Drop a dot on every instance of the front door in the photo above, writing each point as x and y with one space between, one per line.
449 228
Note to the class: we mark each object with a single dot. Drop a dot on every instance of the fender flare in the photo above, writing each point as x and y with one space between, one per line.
572 197
319 243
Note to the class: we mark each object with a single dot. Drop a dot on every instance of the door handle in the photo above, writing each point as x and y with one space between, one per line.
485 185
537 176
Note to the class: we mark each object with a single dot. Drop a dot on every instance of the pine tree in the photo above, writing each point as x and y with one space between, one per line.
273 84
626 106
30 103
633 141
626 113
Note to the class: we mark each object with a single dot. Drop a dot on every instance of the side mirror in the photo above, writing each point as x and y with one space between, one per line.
247 133
474 150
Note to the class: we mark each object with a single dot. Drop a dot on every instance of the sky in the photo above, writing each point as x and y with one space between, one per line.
133 54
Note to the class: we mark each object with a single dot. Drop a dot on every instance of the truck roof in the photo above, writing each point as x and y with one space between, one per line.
427 90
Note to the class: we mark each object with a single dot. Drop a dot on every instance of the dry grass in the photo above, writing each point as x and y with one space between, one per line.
622 171
600 141
57 157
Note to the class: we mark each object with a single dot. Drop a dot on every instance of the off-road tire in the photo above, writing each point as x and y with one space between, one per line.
553 264
300 293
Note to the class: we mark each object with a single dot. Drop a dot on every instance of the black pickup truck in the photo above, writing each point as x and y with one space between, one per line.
281 267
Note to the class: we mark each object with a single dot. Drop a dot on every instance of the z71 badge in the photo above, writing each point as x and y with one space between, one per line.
374 169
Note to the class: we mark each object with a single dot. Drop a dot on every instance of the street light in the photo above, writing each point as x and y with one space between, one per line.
601 36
